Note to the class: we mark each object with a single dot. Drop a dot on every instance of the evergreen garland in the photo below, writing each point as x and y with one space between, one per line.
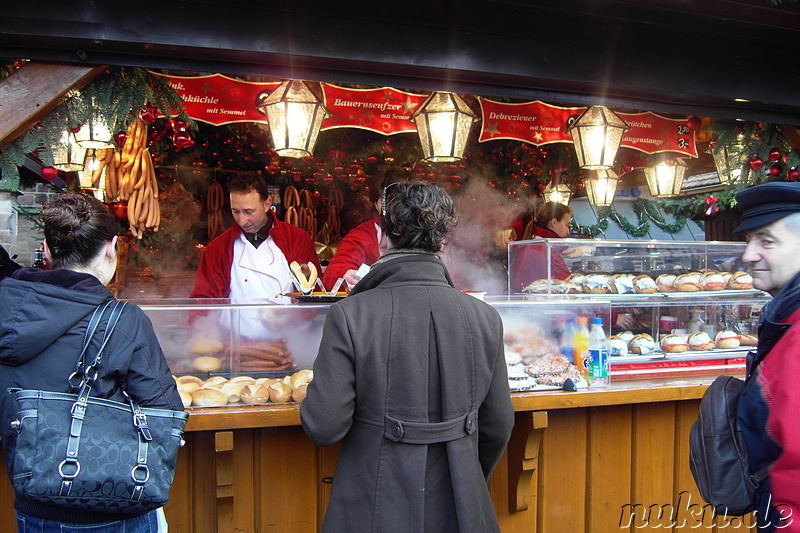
118 94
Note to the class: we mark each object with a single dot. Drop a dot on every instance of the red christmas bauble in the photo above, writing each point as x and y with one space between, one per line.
756 162
119 139
49 173
775 170
774 154
694 123
148 114
793 174
119 210
75 129
182 140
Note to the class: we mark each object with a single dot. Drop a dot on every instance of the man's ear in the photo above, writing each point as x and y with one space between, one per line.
47 253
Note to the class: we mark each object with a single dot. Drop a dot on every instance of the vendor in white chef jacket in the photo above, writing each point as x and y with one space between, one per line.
251 259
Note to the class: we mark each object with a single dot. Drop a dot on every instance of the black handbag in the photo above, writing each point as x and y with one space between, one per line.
90 453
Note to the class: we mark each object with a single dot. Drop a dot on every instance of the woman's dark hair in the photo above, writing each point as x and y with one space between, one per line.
418 216
246 183
76 227
549 211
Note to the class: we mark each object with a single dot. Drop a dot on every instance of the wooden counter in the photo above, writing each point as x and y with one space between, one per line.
597 460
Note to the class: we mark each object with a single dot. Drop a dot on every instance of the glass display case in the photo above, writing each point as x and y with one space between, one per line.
258 352
676 306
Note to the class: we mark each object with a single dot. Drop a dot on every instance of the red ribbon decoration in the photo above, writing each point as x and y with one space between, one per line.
711 202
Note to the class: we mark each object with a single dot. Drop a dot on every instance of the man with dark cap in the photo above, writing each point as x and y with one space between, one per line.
768 406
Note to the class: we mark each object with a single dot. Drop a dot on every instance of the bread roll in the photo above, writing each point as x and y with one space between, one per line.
642 344
234 390
700 341
627 336
280 392
247 380
299 394
209 397
688 282
207 347
207 363
740 281
727 340
712 281
621 283
576 278
666 282
673 344
215 381
644 284
252 394
188 387
617 346
184 380
300 377
540 286
595 284
186 398
748 340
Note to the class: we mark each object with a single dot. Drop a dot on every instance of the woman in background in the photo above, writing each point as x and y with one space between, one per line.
552 221
44 316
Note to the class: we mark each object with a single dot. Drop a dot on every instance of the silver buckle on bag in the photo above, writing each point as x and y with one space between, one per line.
71 462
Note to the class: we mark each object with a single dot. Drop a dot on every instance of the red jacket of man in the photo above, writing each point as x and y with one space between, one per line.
360 245
213 279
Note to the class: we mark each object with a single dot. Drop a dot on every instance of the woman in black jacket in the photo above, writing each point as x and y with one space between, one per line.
43 318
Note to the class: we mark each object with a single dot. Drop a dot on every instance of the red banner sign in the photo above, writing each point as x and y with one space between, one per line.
532 122
384 110
539 123
653 134
218 99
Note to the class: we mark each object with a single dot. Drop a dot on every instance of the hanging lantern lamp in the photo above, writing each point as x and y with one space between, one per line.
295 117
559 193
68 155
728 163
602 187
666 178
597 134
96 133
443 122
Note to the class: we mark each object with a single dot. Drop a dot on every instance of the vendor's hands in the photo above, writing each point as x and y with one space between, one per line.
350 278
624 321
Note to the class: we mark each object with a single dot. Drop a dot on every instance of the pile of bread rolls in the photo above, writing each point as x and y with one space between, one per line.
218 391
704 280
626 342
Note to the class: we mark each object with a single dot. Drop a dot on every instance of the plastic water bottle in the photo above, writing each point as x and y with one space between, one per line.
598 353
581 345
567 338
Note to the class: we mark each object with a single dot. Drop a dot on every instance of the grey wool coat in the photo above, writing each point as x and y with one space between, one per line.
411 377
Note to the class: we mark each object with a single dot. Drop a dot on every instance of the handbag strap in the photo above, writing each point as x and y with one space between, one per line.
75 379
70 467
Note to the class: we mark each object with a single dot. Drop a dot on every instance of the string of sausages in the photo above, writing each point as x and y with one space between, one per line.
215 198
130 176
300 209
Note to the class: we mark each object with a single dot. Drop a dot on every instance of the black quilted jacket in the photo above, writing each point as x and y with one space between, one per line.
43 318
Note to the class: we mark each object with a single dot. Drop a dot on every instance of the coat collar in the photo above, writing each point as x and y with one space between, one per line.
405 266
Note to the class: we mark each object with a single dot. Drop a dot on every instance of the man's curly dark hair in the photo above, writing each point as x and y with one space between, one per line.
418 216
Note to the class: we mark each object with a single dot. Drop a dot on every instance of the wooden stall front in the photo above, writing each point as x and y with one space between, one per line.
597 460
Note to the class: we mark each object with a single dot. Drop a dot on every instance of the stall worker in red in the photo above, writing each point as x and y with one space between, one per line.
552 222
359 246
251 259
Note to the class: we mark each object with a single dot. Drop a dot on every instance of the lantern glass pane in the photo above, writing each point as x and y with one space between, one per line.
601 190
295 117
67 155
96 134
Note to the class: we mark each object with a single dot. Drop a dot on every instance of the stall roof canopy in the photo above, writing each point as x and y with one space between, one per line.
683 56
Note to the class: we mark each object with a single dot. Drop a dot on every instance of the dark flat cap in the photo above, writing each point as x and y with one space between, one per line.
766 203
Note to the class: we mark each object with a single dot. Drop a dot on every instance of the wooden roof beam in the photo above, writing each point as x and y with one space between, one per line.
34 90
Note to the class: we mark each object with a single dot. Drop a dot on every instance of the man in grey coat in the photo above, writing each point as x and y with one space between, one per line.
411 377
